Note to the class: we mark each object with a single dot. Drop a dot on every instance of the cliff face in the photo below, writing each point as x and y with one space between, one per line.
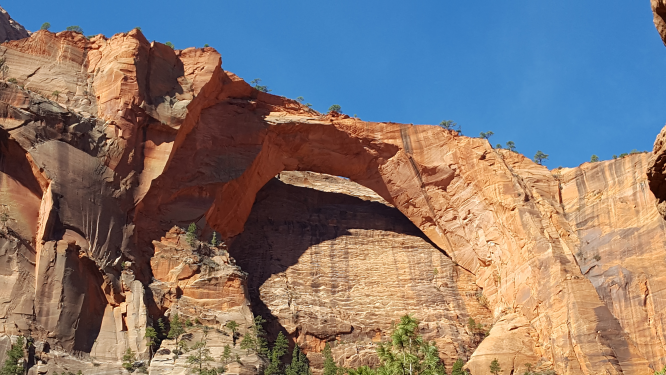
10 29
107 144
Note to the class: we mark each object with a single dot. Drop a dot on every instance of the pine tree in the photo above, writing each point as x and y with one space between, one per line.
151 337
201 356
330 367
495 367
511 146
233 326
226 356
14 354
176 329
275 356
249 342
407 353
458 367
128 360
191 234
539 157
214 241
299 364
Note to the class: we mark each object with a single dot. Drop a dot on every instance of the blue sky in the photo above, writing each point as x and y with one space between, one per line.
571 78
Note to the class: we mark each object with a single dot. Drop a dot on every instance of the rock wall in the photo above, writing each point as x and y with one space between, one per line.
10 29
109 143
329 260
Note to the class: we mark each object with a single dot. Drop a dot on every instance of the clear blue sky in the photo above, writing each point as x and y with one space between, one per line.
571 78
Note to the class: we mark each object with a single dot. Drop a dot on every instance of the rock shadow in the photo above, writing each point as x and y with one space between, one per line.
287 220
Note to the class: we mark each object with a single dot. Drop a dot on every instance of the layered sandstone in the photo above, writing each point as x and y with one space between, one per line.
331 260
109 143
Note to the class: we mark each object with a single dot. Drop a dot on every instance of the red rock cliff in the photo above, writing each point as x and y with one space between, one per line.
109 143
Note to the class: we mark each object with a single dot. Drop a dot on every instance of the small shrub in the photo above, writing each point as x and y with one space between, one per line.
55 94
614 157
335 108
45 26
634 151
188 323
594 159
12 80
206 45
300 99
75 28
597 257
138 28
170 45
498 146
623 154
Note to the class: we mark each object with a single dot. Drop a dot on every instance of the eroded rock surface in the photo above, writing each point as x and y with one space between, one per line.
109 143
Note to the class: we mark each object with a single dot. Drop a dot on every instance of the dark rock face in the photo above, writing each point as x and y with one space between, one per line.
10 29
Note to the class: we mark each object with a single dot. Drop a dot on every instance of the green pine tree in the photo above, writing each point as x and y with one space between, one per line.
495 368
299 363
151 337
14 354
200 357
192 234
128 360
233 327
176 329
279 349
458 367
226 355
330 367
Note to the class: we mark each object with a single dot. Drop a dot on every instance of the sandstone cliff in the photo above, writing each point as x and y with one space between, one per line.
107 144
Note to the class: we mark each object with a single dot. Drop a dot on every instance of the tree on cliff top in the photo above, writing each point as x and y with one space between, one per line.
45 26
486 135
335 108
75 28
14 355
539 157
449 125
511 146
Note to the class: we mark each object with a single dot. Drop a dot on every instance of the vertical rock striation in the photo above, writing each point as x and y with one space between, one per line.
108 143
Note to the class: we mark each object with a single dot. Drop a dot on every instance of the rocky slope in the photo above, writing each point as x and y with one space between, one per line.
108 143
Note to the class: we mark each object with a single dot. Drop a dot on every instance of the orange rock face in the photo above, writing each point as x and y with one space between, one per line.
108 144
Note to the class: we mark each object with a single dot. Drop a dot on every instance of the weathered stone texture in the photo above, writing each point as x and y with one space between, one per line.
109 143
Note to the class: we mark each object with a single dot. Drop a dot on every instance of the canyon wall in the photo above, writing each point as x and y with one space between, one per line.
110 145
